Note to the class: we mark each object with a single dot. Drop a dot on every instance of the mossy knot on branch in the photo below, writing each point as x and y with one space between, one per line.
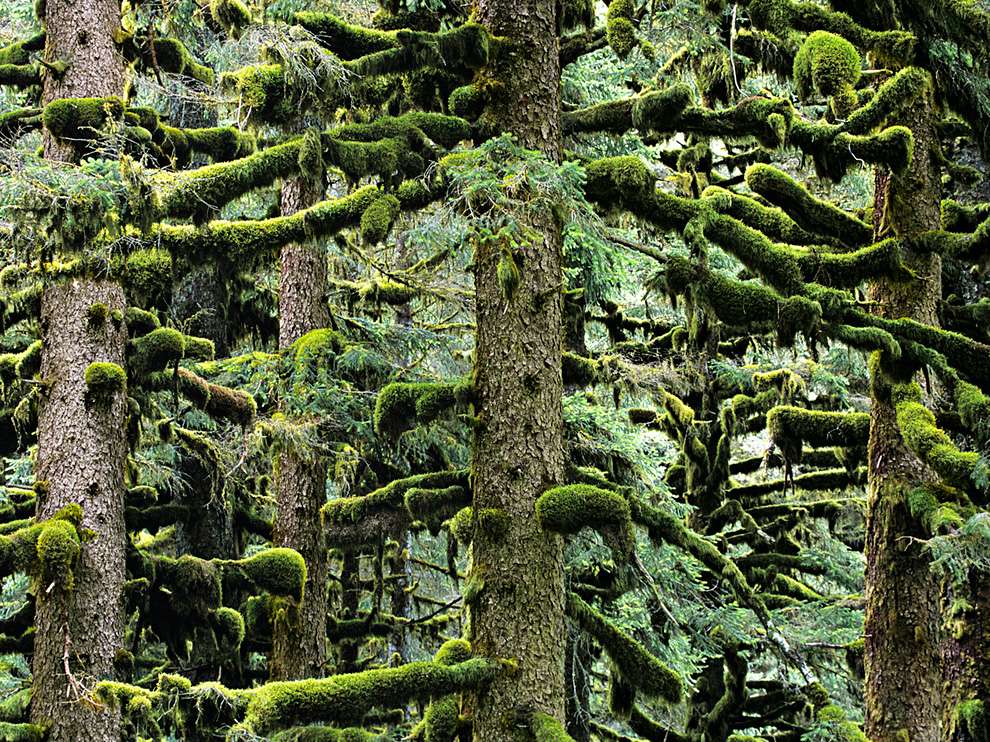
104 380
401 406
570 508
829 65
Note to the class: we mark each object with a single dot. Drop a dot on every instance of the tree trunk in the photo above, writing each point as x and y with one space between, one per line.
81 441
299 643
518 452
81 453
903 674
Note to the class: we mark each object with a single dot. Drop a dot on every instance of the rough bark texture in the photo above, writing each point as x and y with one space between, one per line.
81 442
80 33
81 453
299 644
903 675
518 450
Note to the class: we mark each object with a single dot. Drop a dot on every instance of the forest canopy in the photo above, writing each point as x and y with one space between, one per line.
521 371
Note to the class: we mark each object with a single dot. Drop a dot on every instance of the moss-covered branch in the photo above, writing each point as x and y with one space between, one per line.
638 667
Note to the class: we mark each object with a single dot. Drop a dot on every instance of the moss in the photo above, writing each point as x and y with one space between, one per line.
20 75
401 406
377 219
21 365
545 727
198 349
80 118
159 349
346 40
192 192
104 380
383 508
216 400
829 65
974 409
936 517
229 626
634 662
619 28
345 699
814 215
22 732
434 506
790 427
971 720
58 548
919 431
251 240
232 16
464 47
19 52
570 508
278 571
839 726
171 55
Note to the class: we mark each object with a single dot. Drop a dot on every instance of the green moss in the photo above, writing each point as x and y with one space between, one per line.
345 699
346 40
790 427
570 508
813 214
278 571
829 65
377 219
58 548
972 721
97 314
464 47
171 55
619 28
20 52
545 727
232 16
20 75
192 192
251 240
229 626
80 118
434 506
104 380
637 665
159 349
401 406
22 732
936 517
917 425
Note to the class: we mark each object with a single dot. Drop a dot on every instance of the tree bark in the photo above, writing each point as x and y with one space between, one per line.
81 441
81 453
299 643
518 452
903 674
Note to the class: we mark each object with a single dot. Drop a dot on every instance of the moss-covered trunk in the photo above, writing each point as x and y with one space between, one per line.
81 438
299 643
518 453
903 674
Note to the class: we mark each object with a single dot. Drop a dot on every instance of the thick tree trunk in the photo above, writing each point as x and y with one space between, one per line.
903 673
81 441
81 453
299 644
518 451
